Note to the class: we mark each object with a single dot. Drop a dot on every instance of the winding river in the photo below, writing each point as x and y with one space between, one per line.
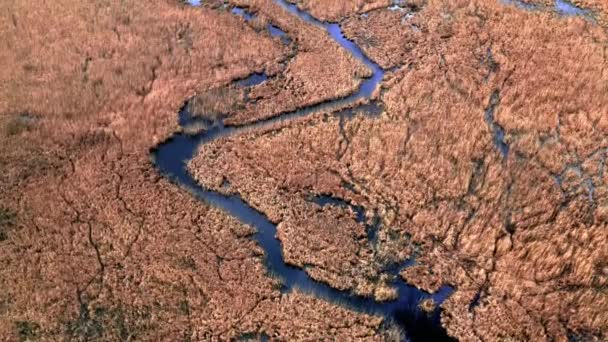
172 156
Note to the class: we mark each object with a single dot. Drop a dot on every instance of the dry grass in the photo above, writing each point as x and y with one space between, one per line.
497 225
394 334
428 305
385 293
97 238
7 220
335 10
216 103
317 70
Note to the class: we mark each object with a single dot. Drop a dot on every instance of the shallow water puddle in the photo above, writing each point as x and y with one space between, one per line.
567 8
194 2
252 80
243 13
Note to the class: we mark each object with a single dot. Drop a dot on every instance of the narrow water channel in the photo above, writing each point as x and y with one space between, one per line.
172 156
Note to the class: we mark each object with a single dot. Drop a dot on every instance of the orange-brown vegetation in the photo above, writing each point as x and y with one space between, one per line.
521 236
318 69
599 9
388 37
428 305
335 10
596 9
297 165
94 243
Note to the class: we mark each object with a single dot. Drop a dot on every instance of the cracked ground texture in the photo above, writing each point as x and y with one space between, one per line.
94 243
515 222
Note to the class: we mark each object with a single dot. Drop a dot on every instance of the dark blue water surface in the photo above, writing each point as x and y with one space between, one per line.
275 31
171 158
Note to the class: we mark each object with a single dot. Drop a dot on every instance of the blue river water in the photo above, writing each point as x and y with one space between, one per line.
172 156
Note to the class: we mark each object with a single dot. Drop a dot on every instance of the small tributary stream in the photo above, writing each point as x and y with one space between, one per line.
172 156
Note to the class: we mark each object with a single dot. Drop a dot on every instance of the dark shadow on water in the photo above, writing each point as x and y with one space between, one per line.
243 13
497 130
475 302
252 80
371 110
372 230
254 337
275 31
187 120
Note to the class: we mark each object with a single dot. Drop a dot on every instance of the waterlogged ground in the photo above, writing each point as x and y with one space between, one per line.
342 170
473 169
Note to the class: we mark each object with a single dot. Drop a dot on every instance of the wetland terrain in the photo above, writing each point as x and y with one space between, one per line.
385 170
